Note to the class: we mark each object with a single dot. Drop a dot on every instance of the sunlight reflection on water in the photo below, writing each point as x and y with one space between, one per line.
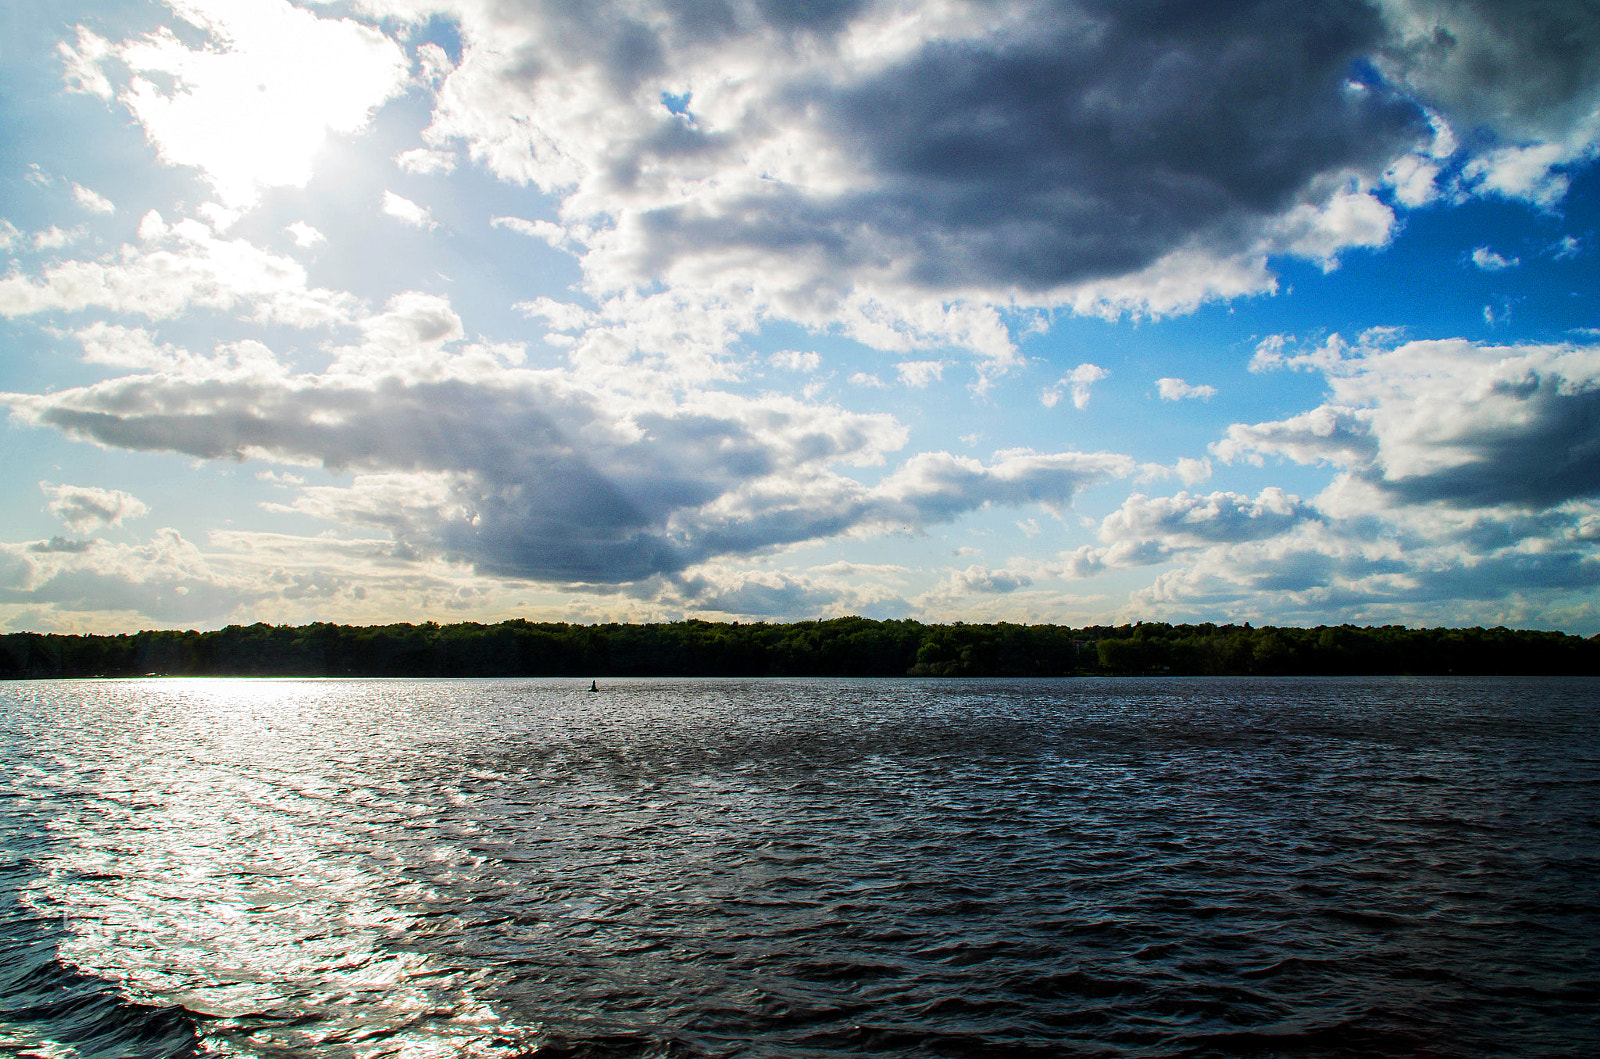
234 854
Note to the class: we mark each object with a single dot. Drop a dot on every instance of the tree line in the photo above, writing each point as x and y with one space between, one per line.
854 647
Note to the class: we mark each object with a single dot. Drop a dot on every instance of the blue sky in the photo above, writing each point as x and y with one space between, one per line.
1076 312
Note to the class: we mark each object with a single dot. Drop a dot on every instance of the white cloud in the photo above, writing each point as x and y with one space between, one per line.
1176 390
1078 382
725 590
433 64
92 201
53 238
550 233
1489 574
796 360
1191 471
237 576
919 373
84 508
1449 421
304 235
165 580
82 62
561 316
1187 520
1322 231
177 268
406 211
981 579
1489 261
1415 179
136 349
425 160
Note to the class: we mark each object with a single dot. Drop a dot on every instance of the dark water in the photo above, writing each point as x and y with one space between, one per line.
800 868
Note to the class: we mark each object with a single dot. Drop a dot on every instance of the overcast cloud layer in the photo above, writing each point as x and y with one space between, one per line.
1094 311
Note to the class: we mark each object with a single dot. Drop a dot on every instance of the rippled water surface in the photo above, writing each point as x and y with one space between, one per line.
800 868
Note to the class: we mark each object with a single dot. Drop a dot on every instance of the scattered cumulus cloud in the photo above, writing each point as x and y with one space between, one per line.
1077 383
81 62
1527 74
1177 390
84 508
982 579
1191 471
53 238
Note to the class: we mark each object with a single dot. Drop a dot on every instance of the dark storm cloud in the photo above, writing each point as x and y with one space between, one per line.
1511 67
1089 146
1089 151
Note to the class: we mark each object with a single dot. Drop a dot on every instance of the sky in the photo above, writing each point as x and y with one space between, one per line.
1079 312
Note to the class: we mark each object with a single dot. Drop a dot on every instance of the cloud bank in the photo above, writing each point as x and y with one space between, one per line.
527 474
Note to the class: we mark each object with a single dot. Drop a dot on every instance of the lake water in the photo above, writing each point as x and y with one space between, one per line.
498 868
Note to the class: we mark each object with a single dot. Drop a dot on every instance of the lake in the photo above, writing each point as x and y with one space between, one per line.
686 868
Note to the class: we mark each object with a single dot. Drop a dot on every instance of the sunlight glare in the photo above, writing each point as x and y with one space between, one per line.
252 110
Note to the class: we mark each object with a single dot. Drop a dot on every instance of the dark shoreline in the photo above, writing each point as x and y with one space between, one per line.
845 647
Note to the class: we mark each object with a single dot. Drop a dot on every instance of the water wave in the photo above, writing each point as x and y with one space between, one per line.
355 869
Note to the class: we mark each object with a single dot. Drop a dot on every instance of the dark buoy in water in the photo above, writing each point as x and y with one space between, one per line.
593 686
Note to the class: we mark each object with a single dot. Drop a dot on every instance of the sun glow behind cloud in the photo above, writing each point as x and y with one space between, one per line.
251 110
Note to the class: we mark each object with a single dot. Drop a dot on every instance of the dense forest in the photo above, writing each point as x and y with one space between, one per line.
857 647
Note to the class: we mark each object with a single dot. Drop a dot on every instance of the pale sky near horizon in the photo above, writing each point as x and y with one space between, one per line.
1077 312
